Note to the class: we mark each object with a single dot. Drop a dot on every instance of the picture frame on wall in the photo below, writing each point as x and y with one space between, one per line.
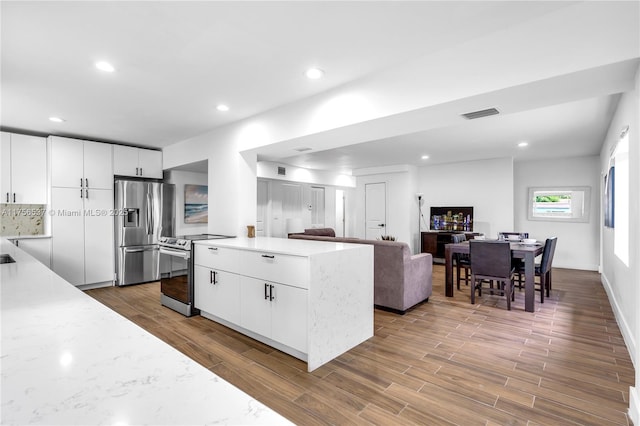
196 204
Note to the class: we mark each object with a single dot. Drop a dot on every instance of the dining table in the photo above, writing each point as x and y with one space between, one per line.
519 250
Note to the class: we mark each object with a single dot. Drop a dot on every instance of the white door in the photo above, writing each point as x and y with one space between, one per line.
289 316
150 163
5 168
291 204
125 160
98 165
29 169
340 220
67 231
66 162
255 306
221 298
262 209
98 236
375 210
317 207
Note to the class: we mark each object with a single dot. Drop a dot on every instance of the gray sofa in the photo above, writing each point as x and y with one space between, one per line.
400 280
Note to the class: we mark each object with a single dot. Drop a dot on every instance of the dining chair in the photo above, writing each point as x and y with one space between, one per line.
491 261
461 260
543 269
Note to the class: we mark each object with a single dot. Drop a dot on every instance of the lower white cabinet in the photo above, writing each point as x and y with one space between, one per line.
310 299
276 311
217 292
40 248
82 235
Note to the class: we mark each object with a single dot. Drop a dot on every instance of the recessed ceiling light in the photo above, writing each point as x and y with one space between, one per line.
105 66
314 73
523 144
56 119
222 107
425 157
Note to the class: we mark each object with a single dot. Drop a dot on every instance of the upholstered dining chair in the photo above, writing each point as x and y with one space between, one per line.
491 261
543 269
461 260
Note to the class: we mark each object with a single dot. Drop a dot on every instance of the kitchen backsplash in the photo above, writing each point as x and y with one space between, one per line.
21 219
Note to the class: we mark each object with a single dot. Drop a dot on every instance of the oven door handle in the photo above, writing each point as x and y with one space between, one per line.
178 253
139 249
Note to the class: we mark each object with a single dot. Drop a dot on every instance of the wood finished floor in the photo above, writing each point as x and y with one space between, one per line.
444 362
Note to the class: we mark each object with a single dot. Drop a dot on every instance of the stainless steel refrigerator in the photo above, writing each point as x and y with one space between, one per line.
144 213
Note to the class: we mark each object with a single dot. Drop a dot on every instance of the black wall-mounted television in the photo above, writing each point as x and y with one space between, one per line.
451 219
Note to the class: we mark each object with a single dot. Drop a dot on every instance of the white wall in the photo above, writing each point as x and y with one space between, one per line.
578 243
485 185
269 170
621 281
181 178
401 201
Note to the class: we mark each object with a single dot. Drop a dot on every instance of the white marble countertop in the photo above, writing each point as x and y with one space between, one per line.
288 246
25 237
67 359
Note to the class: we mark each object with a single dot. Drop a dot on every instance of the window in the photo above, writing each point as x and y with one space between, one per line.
565 204
620 160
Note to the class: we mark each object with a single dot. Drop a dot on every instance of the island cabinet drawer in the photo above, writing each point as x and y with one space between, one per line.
280 268
222 258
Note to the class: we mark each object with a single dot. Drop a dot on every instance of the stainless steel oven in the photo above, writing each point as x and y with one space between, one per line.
176 271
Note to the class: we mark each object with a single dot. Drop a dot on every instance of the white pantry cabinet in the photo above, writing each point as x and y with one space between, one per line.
82 249
138 162
23 161
310 299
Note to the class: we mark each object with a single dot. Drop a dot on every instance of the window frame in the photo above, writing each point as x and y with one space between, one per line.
582 216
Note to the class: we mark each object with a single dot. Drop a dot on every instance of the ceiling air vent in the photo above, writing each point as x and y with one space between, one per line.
479 114
282 171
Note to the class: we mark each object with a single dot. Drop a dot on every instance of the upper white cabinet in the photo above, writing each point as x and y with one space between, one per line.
131 161
80 164
24 169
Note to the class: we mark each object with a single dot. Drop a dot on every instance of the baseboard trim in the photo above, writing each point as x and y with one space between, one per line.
634 405
627 335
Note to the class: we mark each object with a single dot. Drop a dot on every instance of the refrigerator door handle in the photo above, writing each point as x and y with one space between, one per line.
149 215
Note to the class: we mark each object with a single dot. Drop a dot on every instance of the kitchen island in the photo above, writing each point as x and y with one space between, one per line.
310 299
67 359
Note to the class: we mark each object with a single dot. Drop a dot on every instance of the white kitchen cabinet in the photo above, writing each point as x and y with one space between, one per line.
67 242
274 310
82 248
310 299
77 163
82 235
137 162
23 160
40 248
217 292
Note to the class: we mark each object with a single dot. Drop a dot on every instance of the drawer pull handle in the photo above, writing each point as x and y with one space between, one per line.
268 256
213 248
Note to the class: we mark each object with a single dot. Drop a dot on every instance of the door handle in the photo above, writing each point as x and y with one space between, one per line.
86 182
210 277
86 192
136 171
81 193
271 293
140 171
7 197
14 197
215 277
266 291
80 182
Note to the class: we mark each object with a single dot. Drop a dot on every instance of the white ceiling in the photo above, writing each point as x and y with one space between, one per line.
175 61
